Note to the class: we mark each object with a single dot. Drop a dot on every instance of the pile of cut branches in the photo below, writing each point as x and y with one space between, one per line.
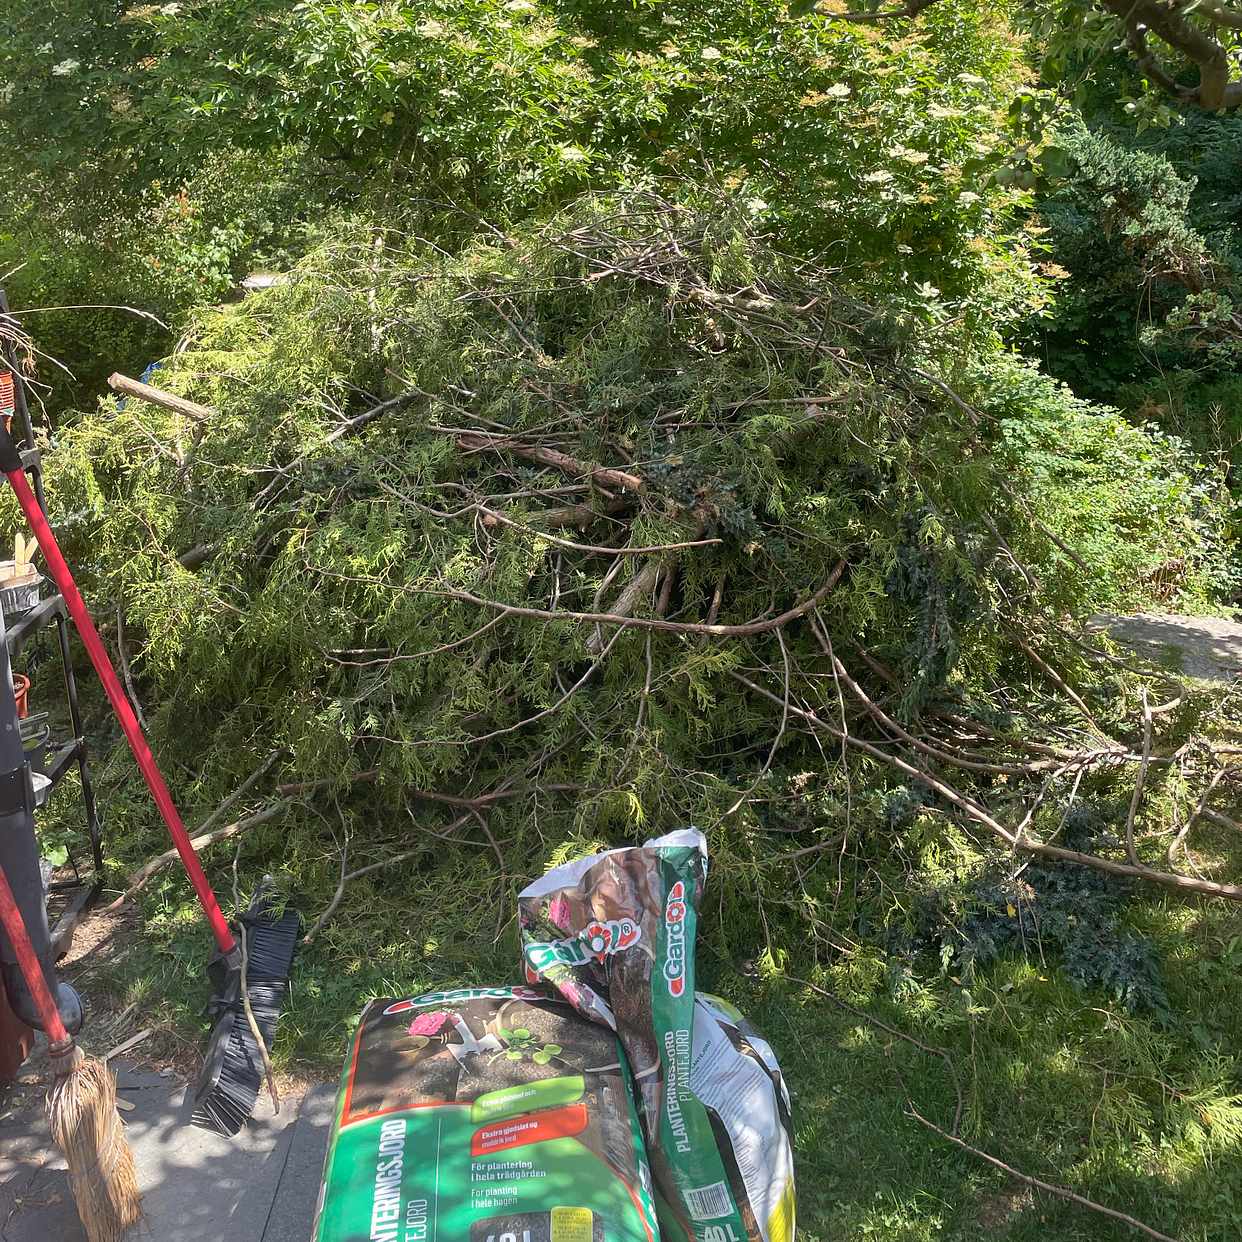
630 521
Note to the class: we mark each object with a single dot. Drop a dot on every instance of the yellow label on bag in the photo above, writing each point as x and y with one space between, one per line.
781 1222
572 1224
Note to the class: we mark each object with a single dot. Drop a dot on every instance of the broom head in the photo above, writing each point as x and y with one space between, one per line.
228 1086
85 1125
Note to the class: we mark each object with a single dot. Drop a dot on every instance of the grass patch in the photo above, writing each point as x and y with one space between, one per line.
1138 1110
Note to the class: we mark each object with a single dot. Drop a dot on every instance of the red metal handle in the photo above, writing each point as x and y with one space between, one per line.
32 972
121 706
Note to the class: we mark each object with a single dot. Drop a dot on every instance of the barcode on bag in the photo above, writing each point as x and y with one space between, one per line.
708 1202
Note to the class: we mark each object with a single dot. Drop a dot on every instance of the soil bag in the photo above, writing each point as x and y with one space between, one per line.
614 934
485 1115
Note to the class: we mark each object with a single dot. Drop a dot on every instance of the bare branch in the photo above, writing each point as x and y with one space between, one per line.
1058 681
331 908
981 815
137 881
745 630
477 441
1167 20
1061 1192
1139 781
931 1049
494 516
123 655
1146 60
1220 14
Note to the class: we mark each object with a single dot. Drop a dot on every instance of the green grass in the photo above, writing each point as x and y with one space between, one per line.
1059 1083
1139 1112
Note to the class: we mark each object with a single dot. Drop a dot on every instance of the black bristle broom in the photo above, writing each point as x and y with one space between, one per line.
233 1071
234 1066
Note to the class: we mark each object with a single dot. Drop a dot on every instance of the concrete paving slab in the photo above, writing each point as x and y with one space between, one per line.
293 1209
197 1186
137 1080
1206 648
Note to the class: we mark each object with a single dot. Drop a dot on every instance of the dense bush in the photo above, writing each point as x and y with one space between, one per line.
1146 234
158 251
869 145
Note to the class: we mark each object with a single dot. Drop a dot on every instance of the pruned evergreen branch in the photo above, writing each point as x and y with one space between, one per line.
798 517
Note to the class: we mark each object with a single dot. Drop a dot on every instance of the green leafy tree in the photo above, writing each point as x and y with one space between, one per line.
877 146
1188 51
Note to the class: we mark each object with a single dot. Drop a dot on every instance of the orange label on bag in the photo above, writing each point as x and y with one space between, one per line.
531 1128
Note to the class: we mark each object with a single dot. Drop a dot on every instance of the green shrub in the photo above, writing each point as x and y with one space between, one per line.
875 144
1145 237
158 251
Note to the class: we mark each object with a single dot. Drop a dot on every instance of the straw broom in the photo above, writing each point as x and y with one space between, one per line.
81 1106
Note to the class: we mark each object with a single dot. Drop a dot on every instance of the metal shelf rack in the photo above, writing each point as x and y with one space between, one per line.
84 888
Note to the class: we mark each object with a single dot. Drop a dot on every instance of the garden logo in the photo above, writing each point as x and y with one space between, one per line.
675 936
461 996
596 940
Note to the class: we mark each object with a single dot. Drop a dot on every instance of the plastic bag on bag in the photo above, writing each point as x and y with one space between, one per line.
614 933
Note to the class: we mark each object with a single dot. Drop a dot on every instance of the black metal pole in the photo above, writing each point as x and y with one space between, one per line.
62 625
19 859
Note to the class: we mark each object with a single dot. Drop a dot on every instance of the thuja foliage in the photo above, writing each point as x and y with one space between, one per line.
325 565
1064 917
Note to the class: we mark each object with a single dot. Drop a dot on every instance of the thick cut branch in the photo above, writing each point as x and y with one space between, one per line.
198 555
632 594
578 515
157 396
606 476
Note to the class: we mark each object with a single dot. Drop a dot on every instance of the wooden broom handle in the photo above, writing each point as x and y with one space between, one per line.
28 961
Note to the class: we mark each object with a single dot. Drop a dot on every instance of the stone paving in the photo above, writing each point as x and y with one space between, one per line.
197 1187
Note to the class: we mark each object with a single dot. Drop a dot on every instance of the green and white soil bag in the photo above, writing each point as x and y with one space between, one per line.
615 933
485 1115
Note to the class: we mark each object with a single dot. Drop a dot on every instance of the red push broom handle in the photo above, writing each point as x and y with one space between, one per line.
32 972
121 706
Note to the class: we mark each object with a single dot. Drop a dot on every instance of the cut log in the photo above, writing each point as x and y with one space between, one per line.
157 396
